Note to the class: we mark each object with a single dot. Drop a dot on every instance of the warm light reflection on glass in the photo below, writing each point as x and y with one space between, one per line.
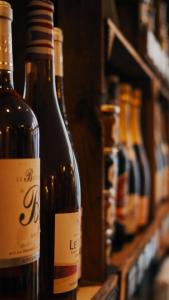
19 107
63 169
52 180
8 110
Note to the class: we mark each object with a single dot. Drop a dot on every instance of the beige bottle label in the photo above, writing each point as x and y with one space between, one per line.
19 211
66 251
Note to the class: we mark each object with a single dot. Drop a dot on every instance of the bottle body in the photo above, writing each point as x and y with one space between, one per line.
133 174
122 199
60 186
110 191
133 196
58 58
143 166
19 149
60 189
19 181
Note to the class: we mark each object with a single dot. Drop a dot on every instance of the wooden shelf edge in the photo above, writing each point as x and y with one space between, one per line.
99 292
123 260
131 50
131 251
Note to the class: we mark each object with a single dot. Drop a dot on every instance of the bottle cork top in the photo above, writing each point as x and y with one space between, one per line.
6 10
58 34
40 4
125 92
136 97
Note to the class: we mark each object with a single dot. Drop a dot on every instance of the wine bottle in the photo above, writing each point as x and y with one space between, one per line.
122 172
58 58
143 167
108 118
60 187
134 180
19 180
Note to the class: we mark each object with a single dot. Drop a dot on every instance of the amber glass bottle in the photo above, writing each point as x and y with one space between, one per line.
19 180
60 187
123 168
143 166
134 178
108 116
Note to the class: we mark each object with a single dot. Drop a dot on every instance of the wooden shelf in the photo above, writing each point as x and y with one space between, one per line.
86 293
123 261
131 63
129 254
109 290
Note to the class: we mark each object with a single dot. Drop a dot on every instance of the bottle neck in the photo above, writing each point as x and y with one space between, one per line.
135 125
6 57
58 55
39 78
58 59
125 137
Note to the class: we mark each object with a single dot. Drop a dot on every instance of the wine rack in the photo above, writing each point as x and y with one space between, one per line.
92 46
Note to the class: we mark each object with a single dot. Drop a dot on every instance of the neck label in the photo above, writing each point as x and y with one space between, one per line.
6 61
40 41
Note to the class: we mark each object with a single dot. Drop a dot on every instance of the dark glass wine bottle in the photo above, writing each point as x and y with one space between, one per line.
143 167
122 172
60 187
134 179
58 58
19 180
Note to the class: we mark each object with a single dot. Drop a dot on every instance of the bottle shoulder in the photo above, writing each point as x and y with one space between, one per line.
14 110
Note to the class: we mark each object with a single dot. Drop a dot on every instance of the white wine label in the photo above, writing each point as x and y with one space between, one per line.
132 213
66 251
19 211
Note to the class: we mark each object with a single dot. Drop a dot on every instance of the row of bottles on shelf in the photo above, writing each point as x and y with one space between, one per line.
39 180
127 186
